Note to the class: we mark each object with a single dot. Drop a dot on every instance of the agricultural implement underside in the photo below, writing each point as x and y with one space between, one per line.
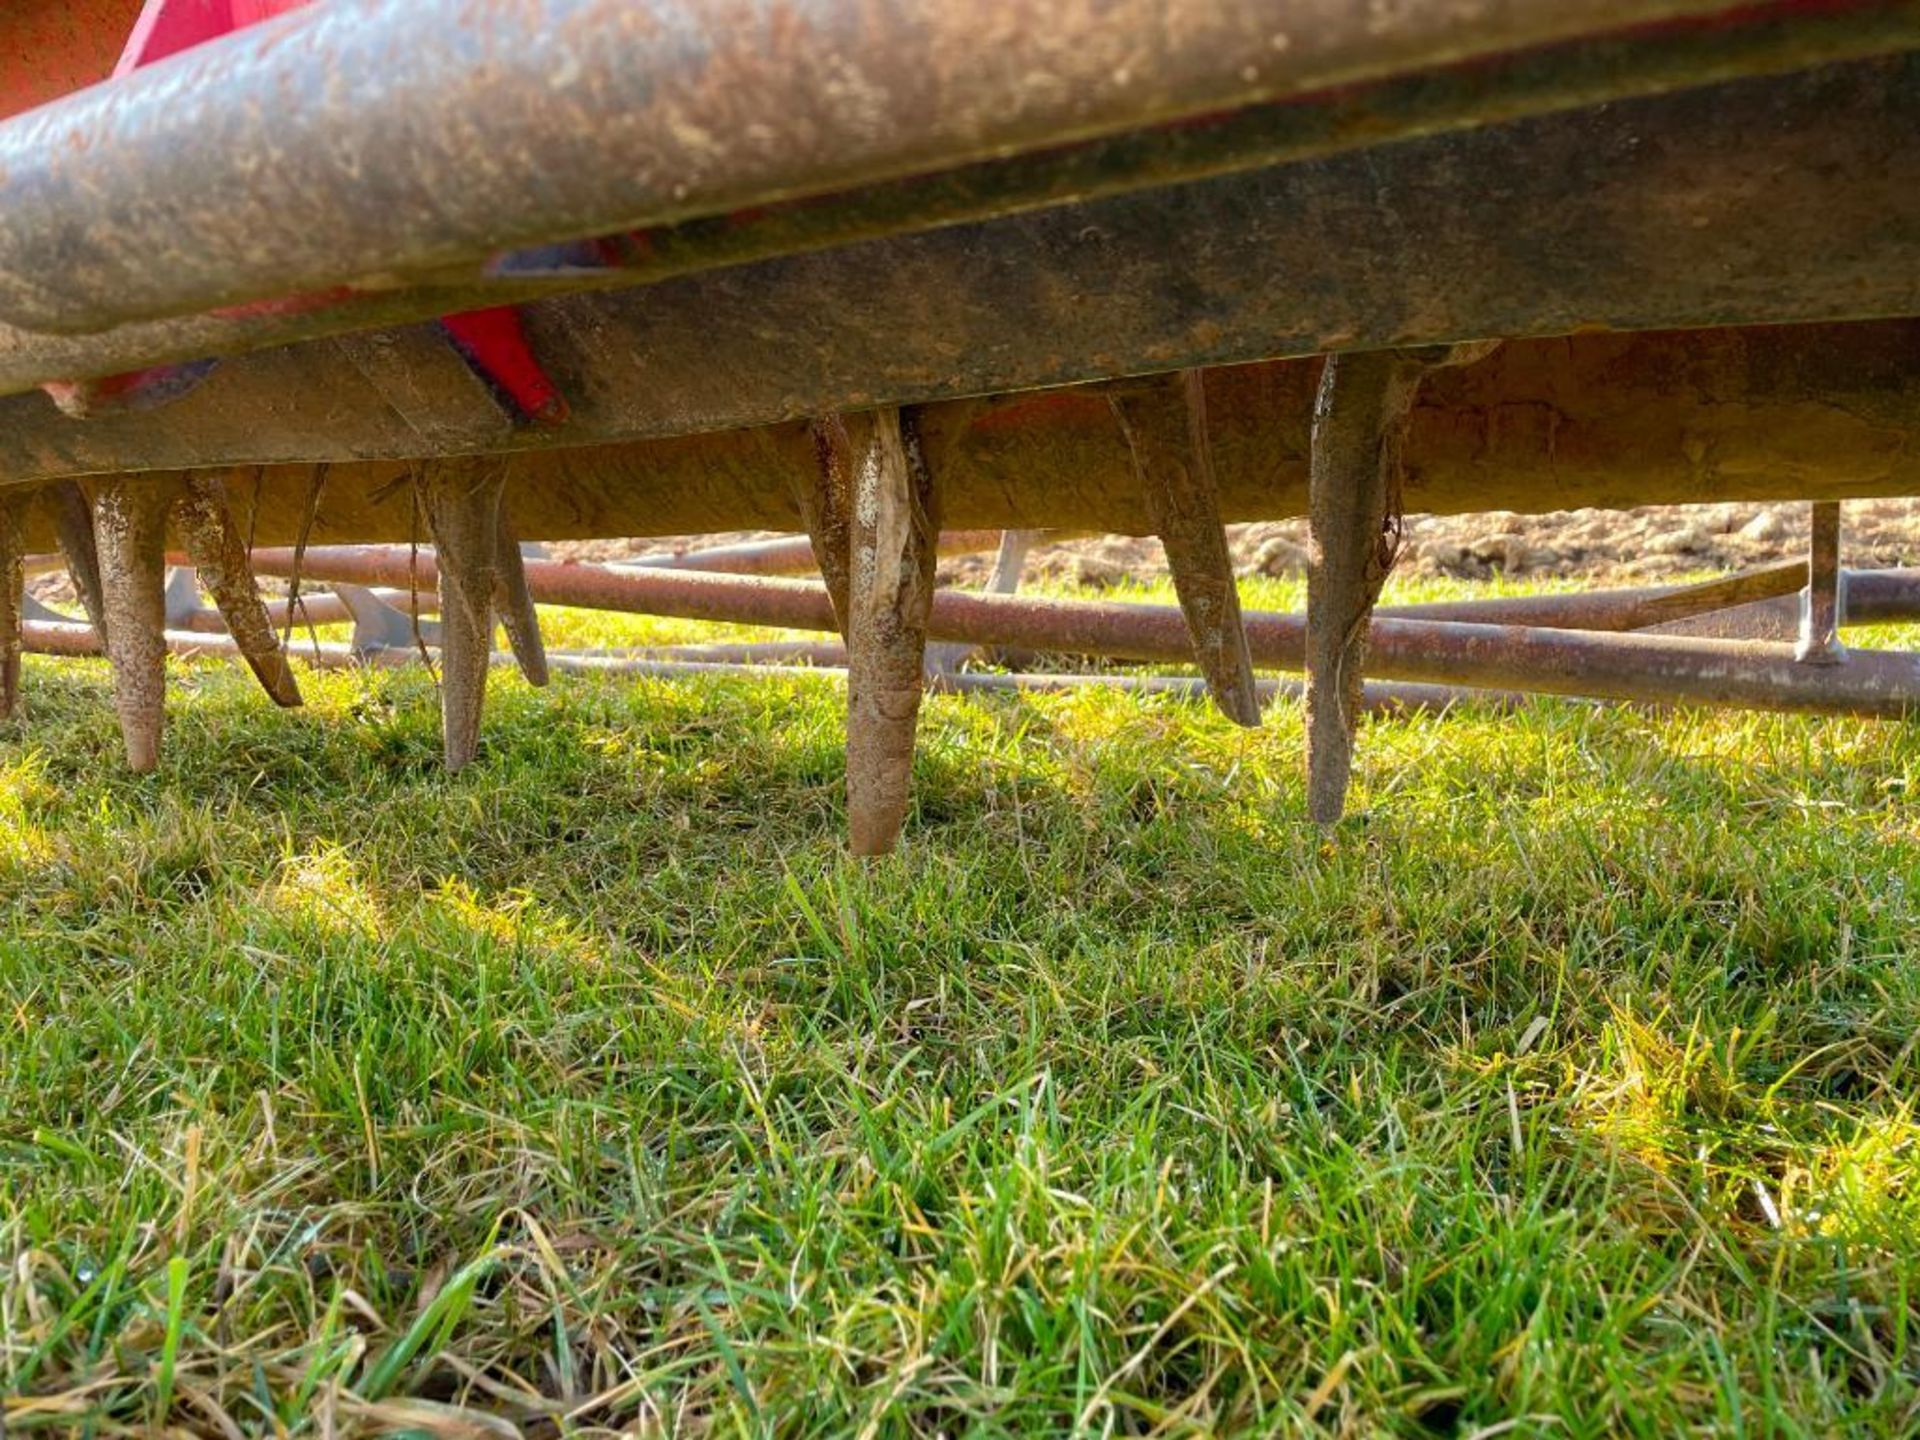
295 288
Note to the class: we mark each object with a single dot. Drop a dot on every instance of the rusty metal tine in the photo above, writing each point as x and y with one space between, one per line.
1164 427
13 595
223 566
516 609
130 532
1823 601
73 526
894 524
462 502
824 498
1358 424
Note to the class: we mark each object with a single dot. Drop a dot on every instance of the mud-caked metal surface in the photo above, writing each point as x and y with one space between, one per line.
1744 40
1760 202
348 143
1768 413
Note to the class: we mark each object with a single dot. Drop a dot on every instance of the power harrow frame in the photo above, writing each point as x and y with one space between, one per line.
341 275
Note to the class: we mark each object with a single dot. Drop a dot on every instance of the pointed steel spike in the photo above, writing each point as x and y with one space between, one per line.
379 626
73 525
894 533
1359 425
1164 425
825 501
13 596
462 501
221 563
182 596
130 532
517 613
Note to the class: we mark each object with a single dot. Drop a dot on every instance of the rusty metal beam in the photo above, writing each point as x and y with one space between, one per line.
1658 668
1608 218
1766 413
795 554
1742 40
1873 596
393 153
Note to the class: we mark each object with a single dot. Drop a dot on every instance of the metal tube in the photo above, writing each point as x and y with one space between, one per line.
1659 668
788 555
408 137
72 640
1878 596
1636 608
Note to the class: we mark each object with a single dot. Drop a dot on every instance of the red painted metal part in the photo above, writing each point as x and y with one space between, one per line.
54 52
166 27
494 343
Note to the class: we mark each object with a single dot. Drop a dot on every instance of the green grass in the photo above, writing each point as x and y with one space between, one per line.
1567 1091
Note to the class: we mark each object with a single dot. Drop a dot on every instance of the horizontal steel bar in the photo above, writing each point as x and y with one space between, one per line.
1816 173
1659 668
75 641
788 555
1745 40
1764 413
316 609
404 137
1636 608
1873 594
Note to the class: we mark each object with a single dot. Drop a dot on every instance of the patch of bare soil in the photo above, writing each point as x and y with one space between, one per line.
1651 543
